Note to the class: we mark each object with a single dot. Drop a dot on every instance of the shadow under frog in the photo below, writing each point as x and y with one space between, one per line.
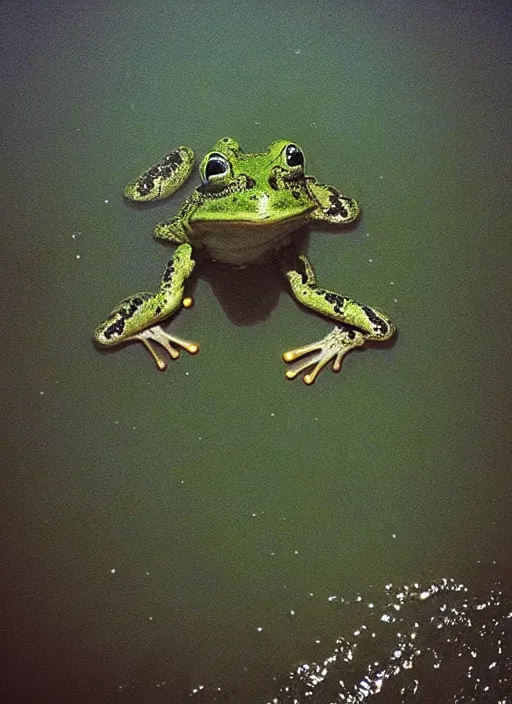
249 294
250 208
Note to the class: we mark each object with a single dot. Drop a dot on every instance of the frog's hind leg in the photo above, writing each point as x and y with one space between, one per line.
137 317
359 323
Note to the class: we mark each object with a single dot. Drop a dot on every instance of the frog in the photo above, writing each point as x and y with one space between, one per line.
246 211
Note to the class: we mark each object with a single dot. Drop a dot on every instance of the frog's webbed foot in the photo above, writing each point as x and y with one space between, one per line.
158 335
163 178
138 317
333 346
114 330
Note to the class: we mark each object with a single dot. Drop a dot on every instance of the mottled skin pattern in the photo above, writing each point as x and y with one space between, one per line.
163 178
246 210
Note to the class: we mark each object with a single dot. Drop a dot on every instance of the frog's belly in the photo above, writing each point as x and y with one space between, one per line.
243 242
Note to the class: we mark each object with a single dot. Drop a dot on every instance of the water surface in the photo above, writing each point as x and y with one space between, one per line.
204 532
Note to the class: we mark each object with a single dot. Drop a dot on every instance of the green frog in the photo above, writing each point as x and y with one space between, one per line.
245 211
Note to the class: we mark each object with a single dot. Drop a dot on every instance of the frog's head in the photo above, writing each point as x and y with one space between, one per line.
265 188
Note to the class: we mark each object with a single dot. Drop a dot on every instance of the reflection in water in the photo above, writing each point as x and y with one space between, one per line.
436 643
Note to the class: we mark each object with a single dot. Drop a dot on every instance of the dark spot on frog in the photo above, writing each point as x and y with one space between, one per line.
168 272
336 206
379 325
121 315
163 169
336 300
115 329
174 158
145 185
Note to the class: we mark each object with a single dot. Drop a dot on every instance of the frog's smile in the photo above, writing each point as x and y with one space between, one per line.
246 209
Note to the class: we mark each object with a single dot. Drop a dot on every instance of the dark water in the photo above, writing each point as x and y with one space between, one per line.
217 533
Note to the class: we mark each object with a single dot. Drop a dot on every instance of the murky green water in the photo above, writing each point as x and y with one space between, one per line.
204 532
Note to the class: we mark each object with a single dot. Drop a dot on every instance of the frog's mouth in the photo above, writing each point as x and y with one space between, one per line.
260 217
217 189
258 208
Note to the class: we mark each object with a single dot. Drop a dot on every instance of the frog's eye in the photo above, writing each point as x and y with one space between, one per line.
216 167
293 155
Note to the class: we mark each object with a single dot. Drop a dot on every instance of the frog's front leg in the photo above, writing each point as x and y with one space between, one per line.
137 317
333 208
365 323
162 179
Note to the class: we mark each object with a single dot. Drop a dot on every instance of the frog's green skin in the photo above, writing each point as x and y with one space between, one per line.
246 210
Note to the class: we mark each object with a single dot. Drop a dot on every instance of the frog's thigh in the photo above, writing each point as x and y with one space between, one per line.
334 305
144 310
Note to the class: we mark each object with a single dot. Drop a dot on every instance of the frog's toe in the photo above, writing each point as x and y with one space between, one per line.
333 346
162 338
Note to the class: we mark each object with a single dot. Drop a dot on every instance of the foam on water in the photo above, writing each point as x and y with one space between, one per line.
441 642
